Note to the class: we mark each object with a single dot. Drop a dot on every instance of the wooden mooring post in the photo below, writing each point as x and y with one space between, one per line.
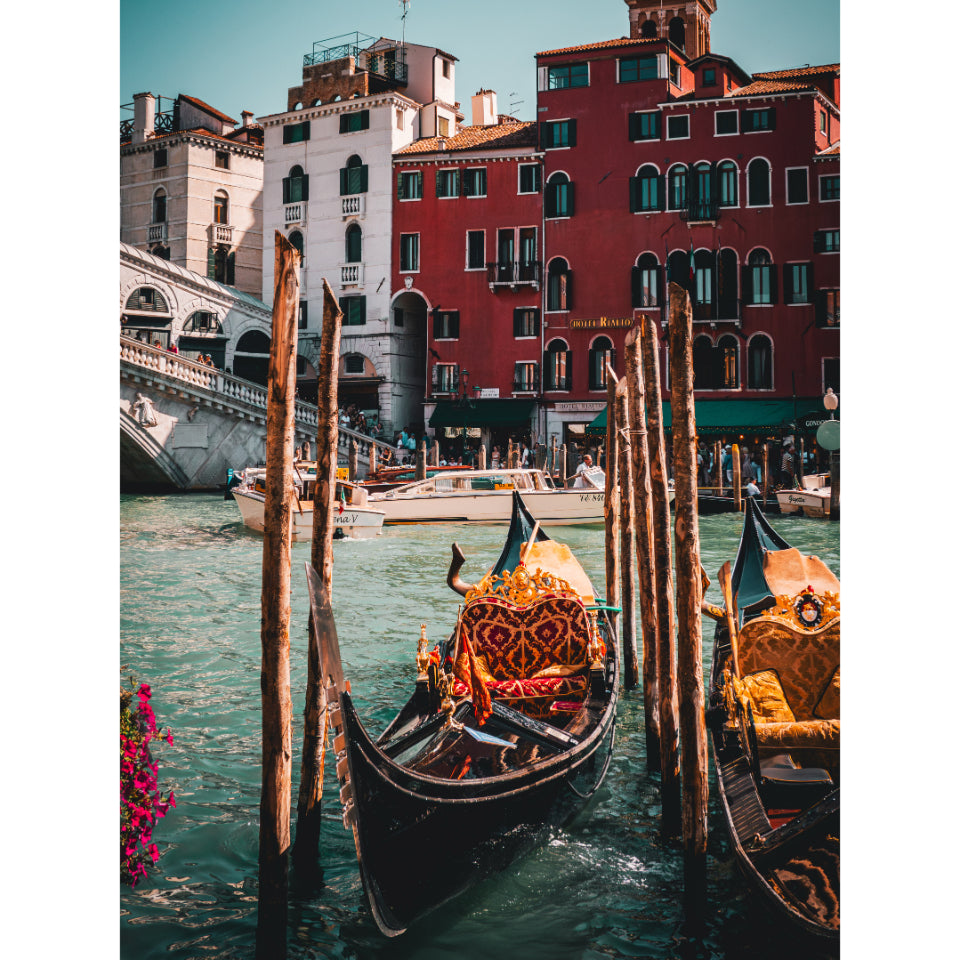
611 505
563 465
737 492
766 471
420 472
482 458
628 522
718 462
271 940
693 731
662 535
435 454
306 848
646 565
353 464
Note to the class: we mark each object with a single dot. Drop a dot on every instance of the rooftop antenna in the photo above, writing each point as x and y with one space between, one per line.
405 4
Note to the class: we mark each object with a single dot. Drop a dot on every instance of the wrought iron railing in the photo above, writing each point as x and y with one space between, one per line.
700 210
514 272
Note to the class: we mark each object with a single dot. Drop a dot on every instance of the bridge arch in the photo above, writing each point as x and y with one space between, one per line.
144 459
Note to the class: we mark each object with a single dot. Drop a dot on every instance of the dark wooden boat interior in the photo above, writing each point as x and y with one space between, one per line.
775 721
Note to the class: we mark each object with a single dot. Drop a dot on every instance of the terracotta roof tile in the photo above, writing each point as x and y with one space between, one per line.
797 72
517 134
619 42
213 111
832 151
759 87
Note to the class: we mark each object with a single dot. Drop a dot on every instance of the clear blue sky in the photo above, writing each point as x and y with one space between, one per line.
244 54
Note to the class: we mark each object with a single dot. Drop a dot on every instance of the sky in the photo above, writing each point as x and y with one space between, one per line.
242 55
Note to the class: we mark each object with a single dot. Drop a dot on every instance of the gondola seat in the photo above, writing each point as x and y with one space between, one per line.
528 656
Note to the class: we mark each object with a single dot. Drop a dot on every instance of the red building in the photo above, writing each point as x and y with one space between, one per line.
467 251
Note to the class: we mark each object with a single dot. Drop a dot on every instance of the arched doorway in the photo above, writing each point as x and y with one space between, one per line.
251 359
408 377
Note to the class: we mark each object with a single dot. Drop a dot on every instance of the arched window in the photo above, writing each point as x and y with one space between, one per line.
559 284
703 372
705 285
254 341
146 298
203 322
221 264
221 207
601 353
677 33
354 244
729 351
645 193
649 30
677 187
558 196
759 279
727 184
353 177
296 240
646 282
760 363
252 356
159 207
679 269
727 293
557 366
161 251
758 183
295 185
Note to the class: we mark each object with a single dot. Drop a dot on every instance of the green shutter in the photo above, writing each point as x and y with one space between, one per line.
364 178
286 189
572 128
773 284
364 119
633 126
400 193
634 194
344 181
787 282
211 263
231 268
570 206
305 187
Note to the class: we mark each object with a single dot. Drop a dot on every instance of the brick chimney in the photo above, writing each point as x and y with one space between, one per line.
483 107
247 116
144 112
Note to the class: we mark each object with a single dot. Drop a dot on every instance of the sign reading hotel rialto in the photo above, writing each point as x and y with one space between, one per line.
597 323
579 406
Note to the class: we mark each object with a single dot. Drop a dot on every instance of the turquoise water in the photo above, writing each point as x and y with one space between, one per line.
190 627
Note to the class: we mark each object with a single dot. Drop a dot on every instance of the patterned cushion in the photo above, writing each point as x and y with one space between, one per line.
828 706
781 737
533 697
766 695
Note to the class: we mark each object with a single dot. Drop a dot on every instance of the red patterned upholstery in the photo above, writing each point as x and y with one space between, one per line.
522 644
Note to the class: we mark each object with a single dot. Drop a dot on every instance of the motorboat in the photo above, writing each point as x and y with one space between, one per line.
353 516
812 499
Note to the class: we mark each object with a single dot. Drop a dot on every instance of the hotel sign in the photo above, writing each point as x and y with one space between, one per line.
598 323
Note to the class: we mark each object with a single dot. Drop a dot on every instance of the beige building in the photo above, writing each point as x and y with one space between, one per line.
191 188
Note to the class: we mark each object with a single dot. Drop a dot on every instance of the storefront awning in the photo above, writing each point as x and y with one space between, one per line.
482 413
737 416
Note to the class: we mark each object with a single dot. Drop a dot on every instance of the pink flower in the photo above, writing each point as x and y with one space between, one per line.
154 852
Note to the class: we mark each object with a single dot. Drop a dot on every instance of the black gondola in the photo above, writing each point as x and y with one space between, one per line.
775 725
460 782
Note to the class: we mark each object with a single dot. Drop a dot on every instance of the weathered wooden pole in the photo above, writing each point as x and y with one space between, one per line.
276 707
435 454
482 459
373 460
834 484
354 461
799 461
563 465
737 493
553 456
718 460
693 730
766 471
646 566
611 504
541 458
306 848
628 522
661 534
421 467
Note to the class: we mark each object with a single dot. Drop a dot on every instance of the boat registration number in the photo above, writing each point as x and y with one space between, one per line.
591 498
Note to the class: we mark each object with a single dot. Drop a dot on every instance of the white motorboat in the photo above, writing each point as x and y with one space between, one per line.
813 499
352 515
486 496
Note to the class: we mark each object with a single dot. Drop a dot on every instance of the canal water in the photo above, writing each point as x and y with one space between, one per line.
607 886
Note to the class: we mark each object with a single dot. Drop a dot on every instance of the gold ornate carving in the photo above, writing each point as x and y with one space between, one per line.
521 587
787 609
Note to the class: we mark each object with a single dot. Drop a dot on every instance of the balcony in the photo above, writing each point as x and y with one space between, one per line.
221 233
351 274
156 232
295 213
563 382
353 206
712 312
701 211
514 273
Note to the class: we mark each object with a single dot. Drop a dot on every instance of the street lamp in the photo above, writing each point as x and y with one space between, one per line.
831 401
828 436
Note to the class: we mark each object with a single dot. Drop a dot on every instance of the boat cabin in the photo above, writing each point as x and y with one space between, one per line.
474 481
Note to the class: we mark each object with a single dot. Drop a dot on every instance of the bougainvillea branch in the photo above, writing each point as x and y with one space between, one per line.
141 802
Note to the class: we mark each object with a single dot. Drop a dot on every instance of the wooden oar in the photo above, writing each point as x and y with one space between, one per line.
730 611
529 543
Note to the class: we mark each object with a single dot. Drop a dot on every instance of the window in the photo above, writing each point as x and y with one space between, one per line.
643 126
601 353
677 187
399 119
678 128
826 241
638 68
296 241
645 193
203 322
760 363
409 252
221 209
558 196
161 251
295 186
445 379
675 72
645 282
558 133
756 120
443 127
354 121
830 188
446 324
728 303
797 185
353 363
709 76
354 311
557 365
725 122
353 177
159 207
727 184
302 317
526 322
704 371
410 185
448 183
702 195
568 75
823 121
298 132
831 374
353 244
160 158
828 309
729 361
559 285
222 159
475 182
505 256
758 183
476 254
759 280
221 264
796 283
526 377
146 298
704 285
529 178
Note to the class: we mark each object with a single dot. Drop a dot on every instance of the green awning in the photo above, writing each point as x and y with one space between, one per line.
734 416
482 413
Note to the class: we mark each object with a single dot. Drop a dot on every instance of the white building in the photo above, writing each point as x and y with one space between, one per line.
328 186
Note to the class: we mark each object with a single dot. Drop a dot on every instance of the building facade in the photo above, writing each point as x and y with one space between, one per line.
191 188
